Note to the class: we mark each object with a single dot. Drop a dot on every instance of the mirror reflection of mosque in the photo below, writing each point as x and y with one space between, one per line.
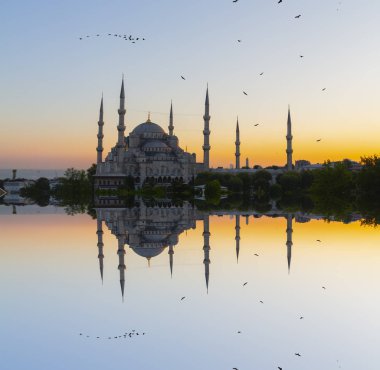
151 229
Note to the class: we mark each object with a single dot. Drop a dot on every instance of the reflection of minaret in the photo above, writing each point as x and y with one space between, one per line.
206 248
171 252
289 238
171 125
121 267
99 232
206 134
289 147
237 236
14 211
237 145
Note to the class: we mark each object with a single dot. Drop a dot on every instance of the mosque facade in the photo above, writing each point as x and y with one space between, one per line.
148 154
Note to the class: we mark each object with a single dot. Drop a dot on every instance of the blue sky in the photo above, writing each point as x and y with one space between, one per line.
52 81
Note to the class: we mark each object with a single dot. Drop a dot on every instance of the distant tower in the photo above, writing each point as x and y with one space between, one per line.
99 149
171 126
121 125
206 134
237 144
99 232
289 147
237 236
206 248
289 238
121 267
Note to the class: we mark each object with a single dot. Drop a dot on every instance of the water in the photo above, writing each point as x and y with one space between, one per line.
50 278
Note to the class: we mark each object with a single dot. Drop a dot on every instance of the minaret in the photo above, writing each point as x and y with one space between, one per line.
289 147
206 248
171 252
289 238
99 232
237 144
121 125
121 267
237 236
99 149
206 135
171 126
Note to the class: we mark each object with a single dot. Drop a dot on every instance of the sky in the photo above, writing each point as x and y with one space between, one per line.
52 82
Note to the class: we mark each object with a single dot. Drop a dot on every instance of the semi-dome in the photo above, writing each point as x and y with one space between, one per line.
155 146
148 127
148 252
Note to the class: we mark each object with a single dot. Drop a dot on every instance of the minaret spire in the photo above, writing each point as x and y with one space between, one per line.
121 126
289 238
121 267
206 248
99 148
289 147
206 134
237 236
171 125
237 145
171 252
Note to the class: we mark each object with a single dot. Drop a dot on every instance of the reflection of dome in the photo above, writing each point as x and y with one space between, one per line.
148 127
148 252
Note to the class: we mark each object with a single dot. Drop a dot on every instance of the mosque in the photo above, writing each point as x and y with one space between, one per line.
150 155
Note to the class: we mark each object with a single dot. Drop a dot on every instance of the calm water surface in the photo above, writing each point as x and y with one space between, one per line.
51 268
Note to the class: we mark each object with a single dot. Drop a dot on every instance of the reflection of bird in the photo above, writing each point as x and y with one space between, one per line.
183 78
297 354
245 283
245 93
183 298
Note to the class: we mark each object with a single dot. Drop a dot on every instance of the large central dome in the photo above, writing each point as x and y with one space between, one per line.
148 127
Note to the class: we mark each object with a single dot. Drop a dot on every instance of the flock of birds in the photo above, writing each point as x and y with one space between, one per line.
130 38
124 335
262 302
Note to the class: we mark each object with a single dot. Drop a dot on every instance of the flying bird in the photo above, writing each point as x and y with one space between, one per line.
279 367
245 283
261 73
324 287
239 332
256 255
261 302
239 40
324 89
183 298
318 239
245 93
301 318
297 354
301 56
235 1
256 124
298 16
279 1
183 78
318 140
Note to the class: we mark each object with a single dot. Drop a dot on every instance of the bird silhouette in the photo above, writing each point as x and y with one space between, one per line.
235 1
245 283
239 40
183 78
256 255
256 124
279 367
324 287
301 318
324 89
183 298
261 73
298 16
318 140
297 354
245 93
239 332
261 302
318 239
301 56
235 368
279 1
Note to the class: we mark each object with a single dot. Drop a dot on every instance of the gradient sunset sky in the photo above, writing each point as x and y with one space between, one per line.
51 82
